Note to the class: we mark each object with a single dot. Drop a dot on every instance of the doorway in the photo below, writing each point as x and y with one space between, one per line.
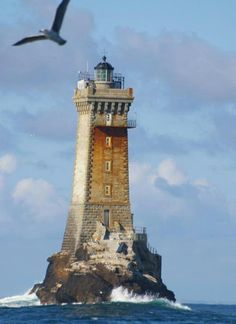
106 217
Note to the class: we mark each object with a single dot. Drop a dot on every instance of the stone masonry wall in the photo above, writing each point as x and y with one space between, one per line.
90 178
82 157
80 180
73 228
117 177
81 223
94 213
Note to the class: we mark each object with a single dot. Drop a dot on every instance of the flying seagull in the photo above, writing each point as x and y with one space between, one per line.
53 33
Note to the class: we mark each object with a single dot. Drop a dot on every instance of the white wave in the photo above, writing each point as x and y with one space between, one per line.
177 305
20 300
121 294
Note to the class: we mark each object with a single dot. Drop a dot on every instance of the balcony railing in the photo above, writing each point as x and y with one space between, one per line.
140 230
151 249
118 80
140 234
125 124
131 123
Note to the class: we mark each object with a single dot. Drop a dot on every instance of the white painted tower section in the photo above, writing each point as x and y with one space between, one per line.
82 156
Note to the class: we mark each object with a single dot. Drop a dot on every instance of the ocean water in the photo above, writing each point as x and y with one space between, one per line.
124 308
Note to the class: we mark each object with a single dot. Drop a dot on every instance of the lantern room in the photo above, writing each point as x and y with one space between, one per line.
104 72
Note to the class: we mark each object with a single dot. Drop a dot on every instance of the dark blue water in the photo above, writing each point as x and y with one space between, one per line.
119 312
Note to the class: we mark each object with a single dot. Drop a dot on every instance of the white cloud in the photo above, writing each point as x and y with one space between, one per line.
137 171
38 199
188 65
7 163
169 171
201 182
167 193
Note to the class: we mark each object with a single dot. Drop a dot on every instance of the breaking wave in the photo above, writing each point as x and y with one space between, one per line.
24 300
121 294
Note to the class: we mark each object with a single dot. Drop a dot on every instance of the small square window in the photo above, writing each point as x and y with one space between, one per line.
107 190
107 166
108 141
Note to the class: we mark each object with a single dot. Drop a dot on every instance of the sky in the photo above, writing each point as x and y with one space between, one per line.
180 58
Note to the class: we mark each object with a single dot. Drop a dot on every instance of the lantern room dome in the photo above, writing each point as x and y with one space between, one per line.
104 65
104 72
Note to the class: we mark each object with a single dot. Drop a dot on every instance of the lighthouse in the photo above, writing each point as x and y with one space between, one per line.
101 249
101 178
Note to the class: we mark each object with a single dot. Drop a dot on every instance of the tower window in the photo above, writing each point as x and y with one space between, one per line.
108 141
107 166
108 119
107 190
101 75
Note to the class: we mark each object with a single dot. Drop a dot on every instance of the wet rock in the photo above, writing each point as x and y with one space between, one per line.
97 269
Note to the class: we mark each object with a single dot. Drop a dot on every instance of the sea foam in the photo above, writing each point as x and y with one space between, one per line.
24 300
121 294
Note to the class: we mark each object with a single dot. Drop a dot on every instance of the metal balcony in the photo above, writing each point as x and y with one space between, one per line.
118 81
140 234
131 123
140 230
122 124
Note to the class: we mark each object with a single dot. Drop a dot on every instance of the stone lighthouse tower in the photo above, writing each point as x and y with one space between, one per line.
101 250
101 181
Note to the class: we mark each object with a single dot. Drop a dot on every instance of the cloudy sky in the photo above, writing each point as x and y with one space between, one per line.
180 58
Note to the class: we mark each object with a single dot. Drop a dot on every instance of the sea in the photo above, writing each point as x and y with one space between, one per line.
124 307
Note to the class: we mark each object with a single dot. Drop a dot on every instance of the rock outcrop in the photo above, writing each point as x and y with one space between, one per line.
110 260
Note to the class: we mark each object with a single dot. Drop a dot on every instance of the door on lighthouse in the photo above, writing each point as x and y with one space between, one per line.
106 217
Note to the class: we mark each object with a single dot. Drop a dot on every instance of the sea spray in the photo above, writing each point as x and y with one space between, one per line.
24 300
121 294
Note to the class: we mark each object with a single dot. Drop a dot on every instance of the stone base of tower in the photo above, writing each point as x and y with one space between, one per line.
108 261
82 219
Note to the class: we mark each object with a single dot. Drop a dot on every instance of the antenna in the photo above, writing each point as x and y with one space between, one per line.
87 66
104 52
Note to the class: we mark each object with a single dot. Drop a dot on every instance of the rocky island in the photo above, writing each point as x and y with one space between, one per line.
108 261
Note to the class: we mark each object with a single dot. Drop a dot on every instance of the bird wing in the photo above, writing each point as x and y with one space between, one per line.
60 13
30 39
